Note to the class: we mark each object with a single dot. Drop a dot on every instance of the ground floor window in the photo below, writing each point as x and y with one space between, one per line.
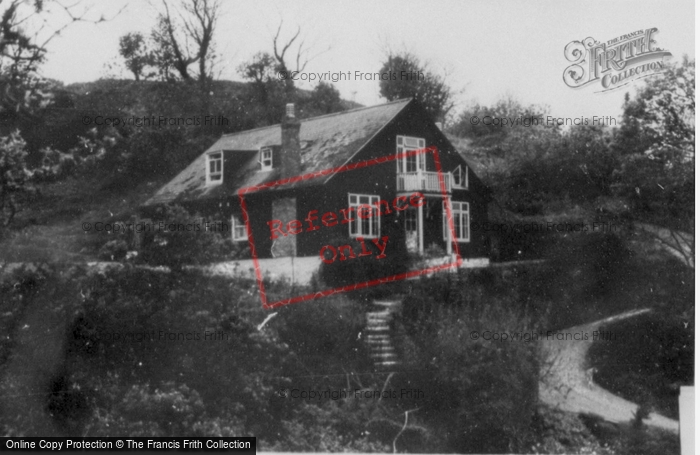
460 218
238 230
364 213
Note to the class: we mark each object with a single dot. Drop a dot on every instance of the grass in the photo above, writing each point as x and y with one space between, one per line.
48 227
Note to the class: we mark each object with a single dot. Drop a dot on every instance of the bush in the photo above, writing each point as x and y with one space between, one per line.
350 272
176 248
483 392
324 333
648 360
114 250
123 376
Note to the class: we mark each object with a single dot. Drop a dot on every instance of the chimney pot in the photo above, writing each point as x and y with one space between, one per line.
290 110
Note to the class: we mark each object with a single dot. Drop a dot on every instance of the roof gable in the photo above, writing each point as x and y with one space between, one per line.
326 142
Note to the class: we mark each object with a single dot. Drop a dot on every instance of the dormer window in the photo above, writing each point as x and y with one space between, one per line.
265 159
215 166
460 177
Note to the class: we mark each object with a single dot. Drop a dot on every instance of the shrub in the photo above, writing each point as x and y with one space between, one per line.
483 392
232 379
325 333
114 250
647 361
178 247
367 268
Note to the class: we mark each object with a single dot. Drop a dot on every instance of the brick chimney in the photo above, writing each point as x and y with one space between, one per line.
290 150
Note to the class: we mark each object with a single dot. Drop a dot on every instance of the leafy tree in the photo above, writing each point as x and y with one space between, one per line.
412 79
657 144
13 173
324 99
137 55
17 177
494 123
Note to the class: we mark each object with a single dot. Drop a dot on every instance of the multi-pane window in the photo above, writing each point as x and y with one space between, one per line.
410 163
411 221
459 176
238 231
265 159
215 165
460 218
364 215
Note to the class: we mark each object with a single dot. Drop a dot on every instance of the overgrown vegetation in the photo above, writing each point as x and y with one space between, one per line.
648 360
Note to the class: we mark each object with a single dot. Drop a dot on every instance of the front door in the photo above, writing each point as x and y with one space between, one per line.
411 229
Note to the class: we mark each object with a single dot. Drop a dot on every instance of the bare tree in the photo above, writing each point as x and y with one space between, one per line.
284 60
280 52
185 36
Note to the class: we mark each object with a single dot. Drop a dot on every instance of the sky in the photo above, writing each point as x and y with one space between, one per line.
489 49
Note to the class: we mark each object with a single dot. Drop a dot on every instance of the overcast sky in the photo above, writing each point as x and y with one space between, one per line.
492 49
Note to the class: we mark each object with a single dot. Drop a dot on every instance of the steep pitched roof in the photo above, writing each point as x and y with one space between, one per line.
326 142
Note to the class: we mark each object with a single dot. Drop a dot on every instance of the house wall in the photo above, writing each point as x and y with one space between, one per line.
380 180
377 180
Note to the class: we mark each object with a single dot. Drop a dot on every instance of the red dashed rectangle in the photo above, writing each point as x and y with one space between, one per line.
326 172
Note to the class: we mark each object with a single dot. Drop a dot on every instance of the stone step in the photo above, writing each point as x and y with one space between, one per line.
381 358
388 303
378 337
387 364
383 355
382 313
376 323
378 328
376 320
379 343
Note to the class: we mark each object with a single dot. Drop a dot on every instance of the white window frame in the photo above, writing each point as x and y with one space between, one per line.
262 160
239 233
406 144
461 218
216 176
460 177
411 219
358 226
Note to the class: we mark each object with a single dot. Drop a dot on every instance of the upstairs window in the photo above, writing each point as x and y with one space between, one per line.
460 177
410 163
215 166
265 159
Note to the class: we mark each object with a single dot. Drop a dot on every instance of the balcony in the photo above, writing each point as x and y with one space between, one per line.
423 181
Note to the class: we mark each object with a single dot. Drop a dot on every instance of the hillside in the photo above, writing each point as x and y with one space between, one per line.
133 161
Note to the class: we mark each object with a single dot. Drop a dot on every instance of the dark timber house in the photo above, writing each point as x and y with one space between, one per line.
209 185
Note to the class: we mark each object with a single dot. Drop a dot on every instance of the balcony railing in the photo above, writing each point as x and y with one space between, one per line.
423 181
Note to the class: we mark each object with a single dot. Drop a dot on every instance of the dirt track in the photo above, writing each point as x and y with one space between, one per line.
563 381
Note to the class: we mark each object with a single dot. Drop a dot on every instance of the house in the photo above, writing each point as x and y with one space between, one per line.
299 219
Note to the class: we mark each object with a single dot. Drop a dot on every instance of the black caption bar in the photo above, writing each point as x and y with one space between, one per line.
243 445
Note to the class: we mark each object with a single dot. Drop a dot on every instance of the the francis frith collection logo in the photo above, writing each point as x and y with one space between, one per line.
616 62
